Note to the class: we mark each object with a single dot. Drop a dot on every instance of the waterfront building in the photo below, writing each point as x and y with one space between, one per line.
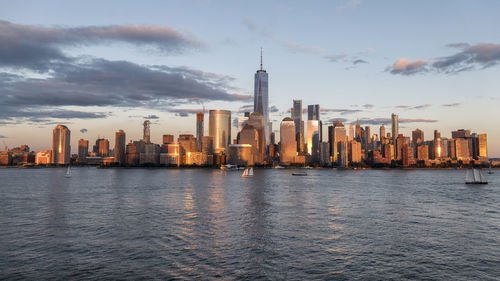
407 155
83 150
324 151
200 116
257 121
219 127
240 155
131 154
288 144
342 160
120 155
168 139
261 98
43 157
417 136
423 152
336 136
208 145
462 149
351 132
196 158
382 133
354 151
187 144
460 133
249 135
170 154
61 149
313 112
313 138
400 142
146 137
150 154
483 146
103 145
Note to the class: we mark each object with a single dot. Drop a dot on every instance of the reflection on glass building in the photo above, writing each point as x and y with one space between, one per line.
219 127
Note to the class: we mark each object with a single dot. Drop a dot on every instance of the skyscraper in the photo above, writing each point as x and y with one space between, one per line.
120 155
83 150
313 138
257 121
146 134
61 149
337 135
313 112
351 132
417 136
200 116
382 132
103 145
261 97
483 146
395 127
299 126
219 127
288 146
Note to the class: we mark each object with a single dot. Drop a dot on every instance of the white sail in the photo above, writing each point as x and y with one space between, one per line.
245 173
68 172
250 173
481 177
477 177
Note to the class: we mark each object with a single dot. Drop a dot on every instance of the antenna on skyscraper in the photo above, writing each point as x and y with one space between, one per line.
260 58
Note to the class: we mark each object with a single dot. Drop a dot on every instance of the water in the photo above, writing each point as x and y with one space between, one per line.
214 225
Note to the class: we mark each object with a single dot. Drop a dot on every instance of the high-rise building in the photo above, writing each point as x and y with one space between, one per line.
423 152
313 112
103 145
354 151
299 124
146 133
208 145
261 97
437 135
250 136
367 138
483 146
382 133
417 136
288 144
461 133
395 127
257 121
219 127
168 139
337 135
200 116
61 149
351 132
462 149
83 150
132 154
359 132
313 139
120 154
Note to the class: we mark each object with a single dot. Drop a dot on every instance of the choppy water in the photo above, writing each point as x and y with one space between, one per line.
206 224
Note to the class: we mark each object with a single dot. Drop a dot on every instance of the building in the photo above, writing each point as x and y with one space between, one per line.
120 155
417 136
61 149
170 154
313 112
336 135
196 158
462 149
343 155
168 139
249 135
219 127
242 121
395 127
257 121
351 132
460 133
150 154
288 144
366 138
43 157
146 137
103 145
483 146
354 152
83 150
400 142
240 155
382 133
324 152
187 145
423 152
313 139
132 154
407 155
261 98
299 124
200 116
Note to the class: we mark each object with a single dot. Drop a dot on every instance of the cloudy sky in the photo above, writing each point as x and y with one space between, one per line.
100 66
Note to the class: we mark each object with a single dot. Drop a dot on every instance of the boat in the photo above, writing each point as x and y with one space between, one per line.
474 176
299 174
489 170
68 173
248 172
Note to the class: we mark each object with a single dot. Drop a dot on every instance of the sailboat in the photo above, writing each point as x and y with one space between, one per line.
248 172
68 172
474 176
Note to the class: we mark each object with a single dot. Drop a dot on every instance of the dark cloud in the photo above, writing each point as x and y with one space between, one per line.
2 137
36 47
386 121
358 61
368 105
184 112
452 104
342 111
469 57
343 120
83 130
153 116
274 109
335 57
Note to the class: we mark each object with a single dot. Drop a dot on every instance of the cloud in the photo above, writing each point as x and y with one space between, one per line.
385 121
335 57
358 61
368 105
408 107
184 112
452 104
153 116
404 66
35 47
83 130
348 5
343 120
2 137
274 109
468 58
342 111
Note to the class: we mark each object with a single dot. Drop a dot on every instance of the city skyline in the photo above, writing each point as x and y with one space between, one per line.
429 87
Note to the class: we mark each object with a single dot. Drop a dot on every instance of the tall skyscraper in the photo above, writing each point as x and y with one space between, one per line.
382 132
483 146
146 134
61 149
219 127
257 121
417 136
103 145
288 146
200 116
337 137
299 124
351 132
261 96
120 155
313 112
83 150
313 138
395 127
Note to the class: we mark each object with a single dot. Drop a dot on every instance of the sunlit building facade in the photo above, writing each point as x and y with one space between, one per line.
288 144
83 150
219 127
261 98
120 154
61 148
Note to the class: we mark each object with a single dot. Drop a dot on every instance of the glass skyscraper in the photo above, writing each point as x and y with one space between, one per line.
261 97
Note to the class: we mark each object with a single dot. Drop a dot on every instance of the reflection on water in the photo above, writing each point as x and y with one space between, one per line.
212 225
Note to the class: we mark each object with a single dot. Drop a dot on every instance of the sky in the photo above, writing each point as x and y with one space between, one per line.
101 66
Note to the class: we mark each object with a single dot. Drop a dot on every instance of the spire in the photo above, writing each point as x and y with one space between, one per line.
260 58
